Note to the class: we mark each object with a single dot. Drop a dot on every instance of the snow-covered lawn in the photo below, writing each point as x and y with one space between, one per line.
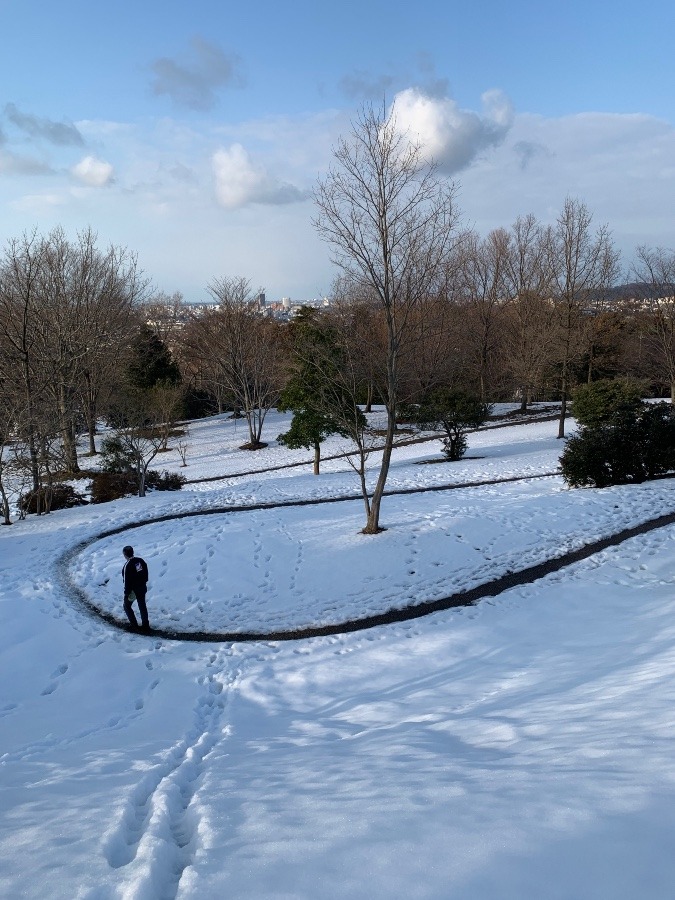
520 748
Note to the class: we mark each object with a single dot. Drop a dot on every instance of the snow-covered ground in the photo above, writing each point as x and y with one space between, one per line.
519 748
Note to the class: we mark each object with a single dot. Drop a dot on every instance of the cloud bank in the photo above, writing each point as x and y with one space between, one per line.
194 84
453 137
194 198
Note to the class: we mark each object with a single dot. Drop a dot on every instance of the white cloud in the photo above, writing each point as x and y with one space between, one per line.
93 172
240 181
451 136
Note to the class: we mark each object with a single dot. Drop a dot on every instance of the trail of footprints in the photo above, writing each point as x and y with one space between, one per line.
160 810
50 743
54 682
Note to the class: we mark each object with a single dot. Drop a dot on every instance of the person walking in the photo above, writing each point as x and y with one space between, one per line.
135 578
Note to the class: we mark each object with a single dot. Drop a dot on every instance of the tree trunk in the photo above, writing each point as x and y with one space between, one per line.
364 489
317 457
523 399
89 408
589 377
91 431
4 506
373 521
369 397
141 472
67 432
563 406
32 449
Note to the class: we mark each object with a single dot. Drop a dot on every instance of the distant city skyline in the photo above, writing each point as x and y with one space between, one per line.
194 134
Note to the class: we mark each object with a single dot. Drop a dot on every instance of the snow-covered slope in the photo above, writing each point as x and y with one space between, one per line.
519 748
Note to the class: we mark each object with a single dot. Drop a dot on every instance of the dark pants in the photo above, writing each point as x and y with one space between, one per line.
139 596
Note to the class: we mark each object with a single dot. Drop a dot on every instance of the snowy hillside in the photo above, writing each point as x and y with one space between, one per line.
522 747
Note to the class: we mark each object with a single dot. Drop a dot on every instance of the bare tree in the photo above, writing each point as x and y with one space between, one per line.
166 400
20 279
137 439
580 264
243 350
85 307
528 321
166 314
113 290
63 313
389 221
484 284
9 420
329 364
367 334
654 270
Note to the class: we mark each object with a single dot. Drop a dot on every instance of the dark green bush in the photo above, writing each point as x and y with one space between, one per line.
453 412
600 402
407 413
634 447
115 457
197 404
657 424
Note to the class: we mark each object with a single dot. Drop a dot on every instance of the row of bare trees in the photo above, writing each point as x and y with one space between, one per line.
524 312
391 223
527 311
66 309
495 325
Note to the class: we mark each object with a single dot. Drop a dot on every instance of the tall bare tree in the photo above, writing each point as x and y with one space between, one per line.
528 322
654 270
389 221
243 349
20 276
484 283
581 264
85 305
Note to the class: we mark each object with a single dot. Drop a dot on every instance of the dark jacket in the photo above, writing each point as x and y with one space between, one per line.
135 575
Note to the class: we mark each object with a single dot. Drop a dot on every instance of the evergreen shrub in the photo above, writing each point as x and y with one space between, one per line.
453 412
600 402
632 447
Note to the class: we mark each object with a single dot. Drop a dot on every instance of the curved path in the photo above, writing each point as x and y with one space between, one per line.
405 442
463 598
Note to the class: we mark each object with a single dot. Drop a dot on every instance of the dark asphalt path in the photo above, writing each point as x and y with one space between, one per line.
414 611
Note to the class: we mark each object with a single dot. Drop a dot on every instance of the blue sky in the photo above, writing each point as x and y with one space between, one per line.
192 133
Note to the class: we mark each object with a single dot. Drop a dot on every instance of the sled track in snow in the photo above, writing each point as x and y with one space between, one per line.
469 597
